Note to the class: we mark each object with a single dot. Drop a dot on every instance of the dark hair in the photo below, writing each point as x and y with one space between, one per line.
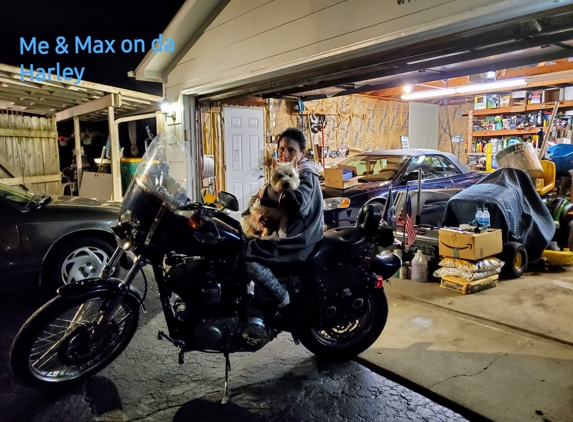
295 135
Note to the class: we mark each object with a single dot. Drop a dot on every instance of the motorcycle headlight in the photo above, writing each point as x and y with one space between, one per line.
125 216
334 203
123 235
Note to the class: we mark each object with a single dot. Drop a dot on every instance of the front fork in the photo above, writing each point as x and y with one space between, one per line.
123 288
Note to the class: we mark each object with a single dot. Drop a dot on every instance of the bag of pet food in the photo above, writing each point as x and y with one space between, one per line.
466 275
485 264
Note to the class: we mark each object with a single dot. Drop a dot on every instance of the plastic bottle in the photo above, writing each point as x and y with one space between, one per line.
420 267
486 217
479 216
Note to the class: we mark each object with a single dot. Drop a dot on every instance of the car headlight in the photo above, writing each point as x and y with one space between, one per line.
334 203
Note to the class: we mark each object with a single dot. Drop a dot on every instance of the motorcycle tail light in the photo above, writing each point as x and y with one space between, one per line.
196 221
379 282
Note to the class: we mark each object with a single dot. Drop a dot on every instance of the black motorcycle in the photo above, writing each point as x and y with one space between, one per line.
196 251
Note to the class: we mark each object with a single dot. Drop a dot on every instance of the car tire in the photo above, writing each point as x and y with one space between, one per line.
515 257
78 259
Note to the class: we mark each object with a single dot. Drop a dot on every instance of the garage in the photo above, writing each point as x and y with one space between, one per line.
463 78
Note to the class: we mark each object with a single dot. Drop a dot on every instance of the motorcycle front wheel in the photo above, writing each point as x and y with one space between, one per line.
52 347
349 340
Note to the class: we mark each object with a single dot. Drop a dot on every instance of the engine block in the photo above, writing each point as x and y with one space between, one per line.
227 334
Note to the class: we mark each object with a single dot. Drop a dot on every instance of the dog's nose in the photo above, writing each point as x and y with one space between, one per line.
286 185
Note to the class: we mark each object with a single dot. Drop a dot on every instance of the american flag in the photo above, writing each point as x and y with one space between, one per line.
409 221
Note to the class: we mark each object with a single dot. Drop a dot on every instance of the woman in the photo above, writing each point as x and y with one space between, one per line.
305 225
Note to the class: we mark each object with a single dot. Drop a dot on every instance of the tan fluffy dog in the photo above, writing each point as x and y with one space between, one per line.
284 177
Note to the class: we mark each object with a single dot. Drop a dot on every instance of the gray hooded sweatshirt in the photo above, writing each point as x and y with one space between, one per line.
305 222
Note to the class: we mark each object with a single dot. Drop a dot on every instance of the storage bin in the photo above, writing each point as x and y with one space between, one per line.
562 156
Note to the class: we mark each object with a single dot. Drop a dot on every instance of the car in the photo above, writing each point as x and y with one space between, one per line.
378 170
53 241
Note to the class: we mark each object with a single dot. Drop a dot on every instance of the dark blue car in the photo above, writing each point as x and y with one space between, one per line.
378 170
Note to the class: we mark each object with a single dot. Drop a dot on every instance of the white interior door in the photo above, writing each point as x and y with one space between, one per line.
244 152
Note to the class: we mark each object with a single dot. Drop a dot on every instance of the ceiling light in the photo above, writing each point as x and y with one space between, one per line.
407 89
488 86
428 94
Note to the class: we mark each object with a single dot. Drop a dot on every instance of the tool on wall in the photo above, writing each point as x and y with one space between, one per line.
317 124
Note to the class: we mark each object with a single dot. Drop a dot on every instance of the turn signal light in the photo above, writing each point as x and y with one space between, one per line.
379 282
196 221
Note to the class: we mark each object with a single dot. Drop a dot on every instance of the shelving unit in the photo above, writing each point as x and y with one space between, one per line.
505 112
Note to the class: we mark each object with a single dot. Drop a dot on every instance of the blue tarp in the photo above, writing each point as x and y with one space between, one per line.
514 206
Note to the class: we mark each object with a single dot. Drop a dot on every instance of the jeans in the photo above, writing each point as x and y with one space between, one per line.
262 276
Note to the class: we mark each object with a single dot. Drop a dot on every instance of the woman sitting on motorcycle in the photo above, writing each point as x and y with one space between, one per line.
305 220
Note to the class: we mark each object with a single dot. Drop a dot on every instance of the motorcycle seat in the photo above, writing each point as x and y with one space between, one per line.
335 245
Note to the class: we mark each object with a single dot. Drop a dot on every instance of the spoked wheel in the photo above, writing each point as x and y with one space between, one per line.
55 345
348 340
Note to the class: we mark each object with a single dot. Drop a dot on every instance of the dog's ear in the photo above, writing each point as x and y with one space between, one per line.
294 162
275 163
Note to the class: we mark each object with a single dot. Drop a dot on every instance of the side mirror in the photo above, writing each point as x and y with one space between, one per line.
229 201
409 177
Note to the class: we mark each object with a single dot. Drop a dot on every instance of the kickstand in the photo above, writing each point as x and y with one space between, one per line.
226 396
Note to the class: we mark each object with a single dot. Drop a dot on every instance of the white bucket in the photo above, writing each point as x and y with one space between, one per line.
520 156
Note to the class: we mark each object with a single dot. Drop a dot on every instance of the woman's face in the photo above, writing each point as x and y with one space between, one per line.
289 149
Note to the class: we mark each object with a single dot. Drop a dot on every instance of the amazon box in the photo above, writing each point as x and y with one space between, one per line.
471 246
341 178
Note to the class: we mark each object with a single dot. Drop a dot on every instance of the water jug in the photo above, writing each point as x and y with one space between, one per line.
420 267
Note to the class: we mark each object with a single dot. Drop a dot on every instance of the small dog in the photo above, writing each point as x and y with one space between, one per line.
284 177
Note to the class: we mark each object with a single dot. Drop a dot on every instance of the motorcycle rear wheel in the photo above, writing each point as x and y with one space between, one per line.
347 341
51 347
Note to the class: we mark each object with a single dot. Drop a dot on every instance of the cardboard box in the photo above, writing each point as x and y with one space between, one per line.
471 246
334 178
536 97
492 101
467 287
552 95
504 100
480 102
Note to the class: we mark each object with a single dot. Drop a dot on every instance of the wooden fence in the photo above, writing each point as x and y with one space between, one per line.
29 153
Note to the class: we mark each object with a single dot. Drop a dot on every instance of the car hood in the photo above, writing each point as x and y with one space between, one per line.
84 202
361 188
70 208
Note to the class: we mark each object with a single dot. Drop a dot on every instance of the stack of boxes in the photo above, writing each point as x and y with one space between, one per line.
469 249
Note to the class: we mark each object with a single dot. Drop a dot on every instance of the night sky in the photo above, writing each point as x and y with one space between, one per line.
101 19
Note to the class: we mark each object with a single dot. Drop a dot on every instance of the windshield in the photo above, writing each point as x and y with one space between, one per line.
375 167
18 194
162 170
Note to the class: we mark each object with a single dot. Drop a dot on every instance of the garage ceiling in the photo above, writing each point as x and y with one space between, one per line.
506 45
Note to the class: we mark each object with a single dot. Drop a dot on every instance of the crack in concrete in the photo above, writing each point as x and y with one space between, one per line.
479 372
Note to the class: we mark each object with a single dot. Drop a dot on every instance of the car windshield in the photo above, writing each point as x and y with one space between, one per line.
374 168
18 194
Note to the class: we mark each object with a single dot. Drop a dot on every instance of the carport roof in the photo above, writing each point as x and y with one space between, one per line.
87 100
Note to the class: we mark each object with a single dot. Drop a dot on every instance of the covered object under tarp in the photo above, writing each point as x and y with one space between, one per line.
514 206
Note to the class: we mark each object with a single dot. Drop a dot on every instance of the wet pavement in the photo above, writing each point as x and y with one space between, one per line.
281 382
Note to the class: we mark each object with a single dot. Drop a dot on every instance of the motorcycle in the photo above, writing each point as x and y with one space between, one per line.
196 251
